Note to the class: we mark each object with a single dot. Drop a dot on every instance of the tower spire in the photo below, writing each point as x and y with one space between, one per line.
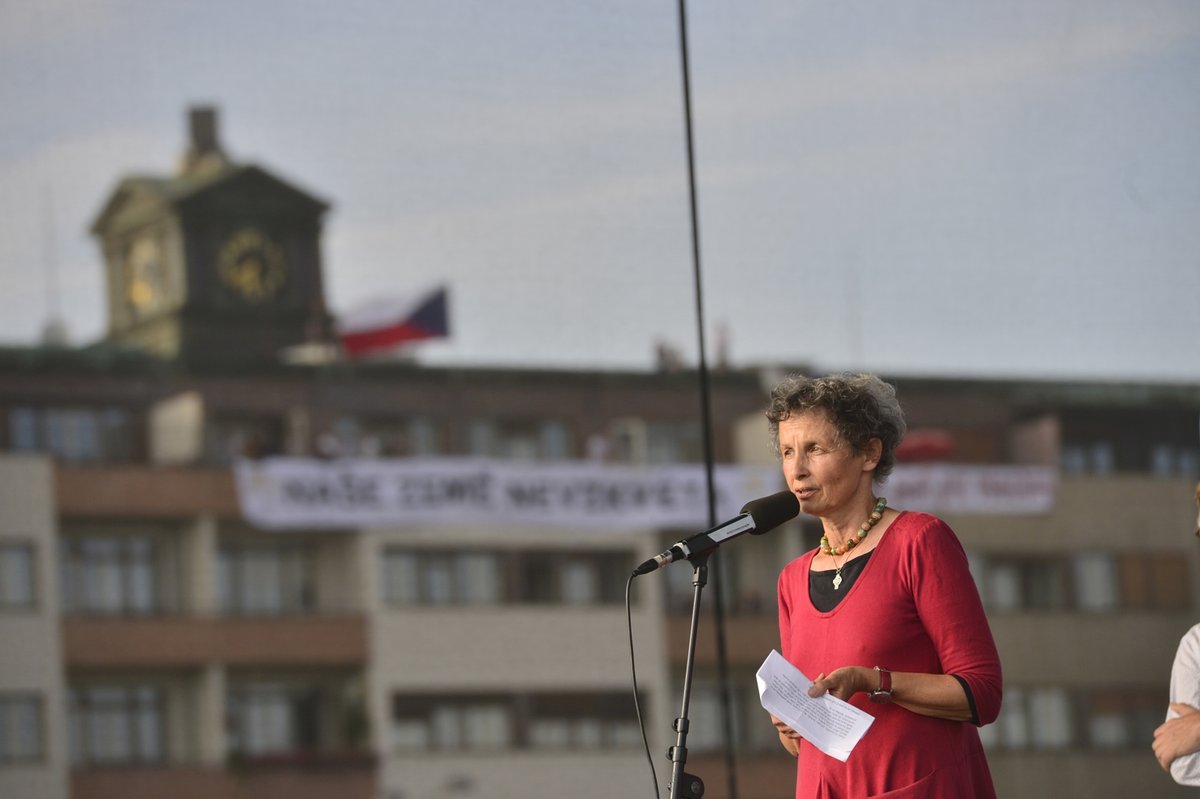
204 151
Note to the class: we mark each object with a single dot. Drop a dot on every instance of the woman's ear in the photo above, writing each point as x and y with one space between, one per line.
872 452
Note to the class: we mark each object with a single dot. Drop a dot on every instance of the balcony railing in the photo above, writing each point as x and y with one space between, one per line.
144 492
167 641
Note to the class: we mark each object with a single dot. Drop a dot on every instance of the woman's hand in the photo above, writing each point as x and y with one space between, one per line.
845 682
787 736
1177 737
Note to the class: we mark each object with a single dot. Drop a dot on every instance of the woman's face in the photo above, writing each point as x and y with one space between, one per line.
822 470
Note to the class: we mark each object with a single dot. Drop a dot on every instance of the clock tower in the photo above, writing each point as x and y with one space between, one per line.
217 264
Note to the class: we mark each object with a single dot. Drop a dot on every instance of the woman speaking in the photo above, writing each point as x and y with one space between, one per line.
884 613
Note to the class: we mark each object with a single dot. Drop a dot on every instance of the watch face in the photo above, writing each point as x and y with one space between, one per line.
252 265
144 275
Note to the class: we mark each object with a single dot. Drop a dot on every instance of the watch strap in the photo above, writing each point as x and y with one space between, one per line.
884 693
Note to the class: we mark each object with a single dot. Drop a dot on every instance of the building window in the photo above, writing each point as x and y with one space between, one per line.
480 437
547 440
1011 730
1102 458
423 438
707 733
554 440
625 442
114 574
1073 460
1154 582
264 579
1045 584
580 721
384 438
1050 718
23 430
1038 718
228 439
674 442
273 718
1162 460
1108 722
1169 460
73 434
16 577
116 724
1003 586
450 723
634 440
743 595
20 728
570 578
439 577
1093 581
1096 586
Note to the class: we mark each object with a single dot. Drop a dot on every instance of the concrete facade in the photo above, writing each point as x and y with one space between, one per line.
485 660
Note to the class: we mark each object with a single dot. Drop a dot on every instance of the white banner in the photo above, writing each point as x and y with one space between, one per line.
303 493
954 488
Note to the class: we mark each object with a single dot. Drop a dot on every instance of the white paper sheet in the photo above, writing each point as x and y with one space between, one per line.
828 723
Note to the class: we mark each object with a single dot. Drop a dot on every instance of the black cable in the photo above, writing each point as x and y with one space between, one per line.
637 704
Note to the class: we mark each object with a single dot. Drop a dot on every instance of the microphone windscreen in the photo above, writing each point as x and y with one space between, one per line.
770 512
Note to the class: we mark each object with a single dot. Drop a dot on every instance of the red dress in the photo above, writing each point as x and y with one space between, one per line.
913 608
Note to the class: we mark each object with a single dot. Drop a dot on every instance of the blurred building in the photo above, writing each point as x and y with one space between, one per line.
161 640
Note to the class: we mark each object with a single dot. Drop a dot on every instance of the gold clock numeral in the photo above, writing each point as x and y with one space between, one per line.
252 265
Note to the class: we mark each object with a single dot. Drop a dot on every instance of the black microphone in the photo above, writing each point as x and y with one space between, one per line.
757 517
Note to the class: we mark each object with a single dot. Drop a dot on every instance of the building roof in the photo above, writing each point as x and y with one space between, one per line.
178 190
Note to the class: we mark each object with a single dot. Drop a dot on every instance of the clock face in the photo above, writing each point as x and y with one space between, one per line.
144 275
252 265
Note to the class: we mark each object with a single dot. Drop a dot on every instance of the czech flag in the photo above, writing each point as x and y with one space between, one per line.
387 323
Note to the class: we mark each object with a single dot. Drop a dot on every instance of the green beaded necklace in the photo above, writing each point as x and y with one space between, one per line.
853 541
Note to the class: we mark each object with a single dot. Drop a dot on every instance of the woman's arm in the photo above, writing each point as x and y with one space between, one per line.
937 695
936 570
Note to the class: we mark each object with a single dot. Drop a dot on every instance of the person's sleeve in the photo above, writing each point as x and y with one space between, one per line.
1185 687
952 613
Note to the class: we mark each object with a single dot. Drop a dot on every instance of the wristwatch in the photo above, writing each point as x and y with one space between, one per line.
884 694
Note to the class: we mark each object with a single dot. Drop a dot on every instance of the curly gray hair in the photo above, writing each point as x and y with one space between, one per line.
860 405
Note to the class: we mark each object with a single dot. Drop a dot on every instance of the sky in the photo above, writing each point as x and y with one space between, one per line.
928 187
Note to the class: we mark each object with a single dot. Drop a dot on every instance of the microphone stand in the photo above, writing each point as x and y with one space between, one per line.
684 785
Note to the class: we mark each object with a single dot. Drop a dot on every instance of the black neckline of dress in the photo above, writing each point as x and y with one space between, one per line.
820 583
